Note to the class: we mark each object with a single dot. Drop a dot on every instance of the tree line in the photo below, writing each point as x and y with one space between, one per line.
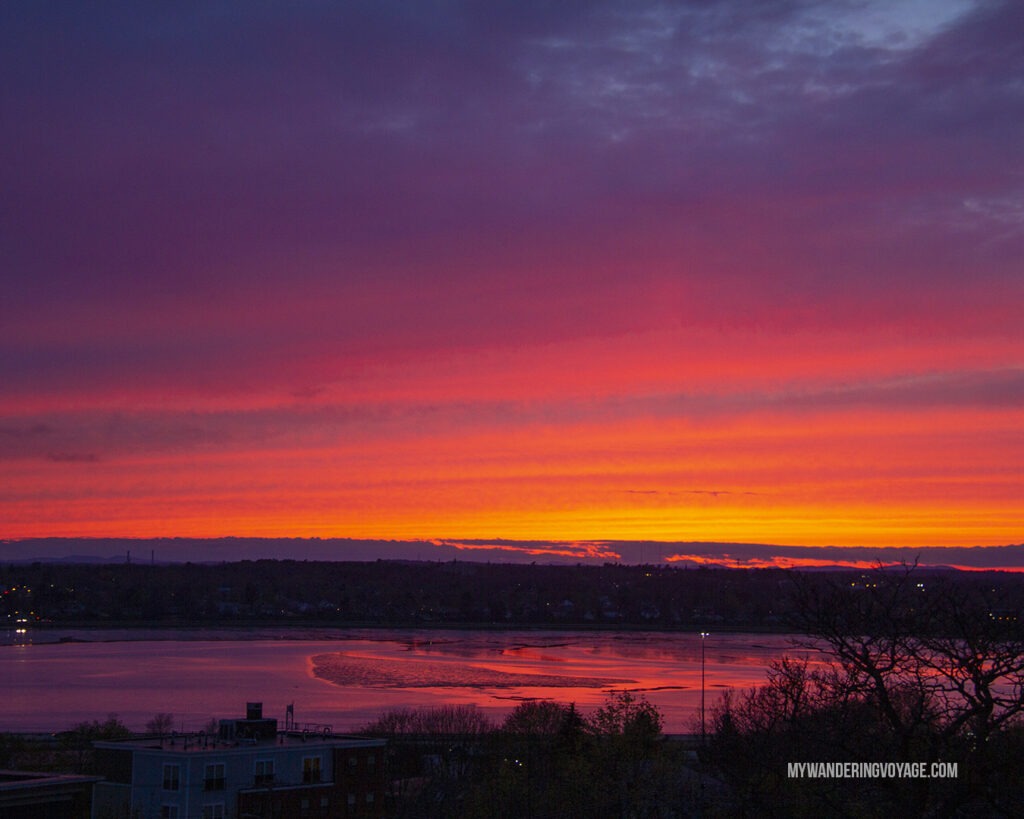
425 593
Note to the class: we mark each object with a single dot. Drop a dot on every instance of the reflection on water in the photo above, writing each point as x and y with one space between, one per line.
348 670
347 677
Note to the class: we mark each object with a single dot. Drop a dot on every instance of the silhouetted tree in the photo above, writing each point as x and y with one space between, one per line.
442 719
627 715
77 742
545 761
916 669
160 724
537 718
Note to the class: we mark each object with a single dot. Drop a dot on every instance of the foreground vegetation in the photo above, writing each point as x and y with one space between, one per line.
918 671
544 760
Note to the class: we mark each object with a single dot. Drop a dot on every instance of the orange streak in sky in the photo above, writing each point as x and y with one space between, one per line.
795 476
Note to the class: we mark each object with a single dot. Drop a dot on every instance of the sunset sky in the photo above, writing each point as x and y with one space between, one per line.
573 271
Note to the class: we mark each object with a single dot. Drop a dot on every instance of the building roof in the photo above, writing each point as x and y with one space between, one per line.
199 744
10 780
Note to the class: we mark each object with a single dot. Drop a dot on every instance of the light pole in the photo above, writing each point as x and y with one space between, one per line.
703 732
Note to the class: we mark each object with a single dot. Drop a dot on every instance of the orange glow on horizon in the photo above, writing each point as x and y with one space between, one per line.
683 466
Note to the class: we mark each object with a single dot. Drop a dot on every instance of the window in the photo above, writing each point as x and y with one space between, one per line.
351 799
214 778
371 761
213 810
168 812
311 769
264 771
172 777
325 802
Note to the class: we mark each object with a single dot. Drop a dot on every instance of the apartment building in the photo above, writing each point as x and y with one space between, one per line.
248 769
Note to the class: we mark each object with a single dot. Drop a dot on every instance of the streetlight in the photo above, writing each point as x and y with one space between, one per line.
703 732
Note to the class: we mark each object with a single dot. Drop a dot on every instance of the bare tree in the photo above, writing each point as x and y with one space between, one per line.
442 719
913 667
160 724
921 648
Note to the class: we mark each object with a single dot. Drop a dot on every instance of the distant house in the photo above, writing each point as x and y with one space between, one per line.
246 770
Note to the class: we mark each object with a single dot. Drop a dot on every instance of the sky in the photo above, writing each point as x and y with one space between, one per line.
572 272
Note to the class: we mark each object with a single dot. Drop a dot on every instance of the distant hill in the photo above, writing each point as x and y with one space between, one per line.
677 553
434 593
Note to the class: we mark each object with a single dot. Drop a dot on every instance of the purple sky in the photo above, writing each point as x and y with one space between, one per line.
287 268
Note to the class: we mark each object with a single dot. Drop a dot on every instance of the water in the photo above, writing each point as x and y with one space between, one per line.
345 678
